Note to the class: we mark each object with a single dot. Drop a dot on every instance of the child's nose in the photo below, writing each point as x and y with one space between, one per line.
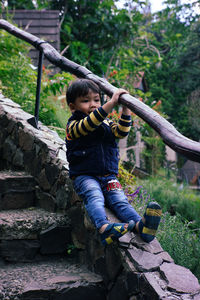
93 103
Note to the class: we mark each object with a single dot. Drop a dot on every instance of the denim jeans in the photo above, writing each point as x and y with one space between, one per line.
98 192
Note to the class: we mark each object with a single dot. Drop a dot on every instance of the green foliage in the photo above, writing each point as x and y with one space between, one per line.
176 37
193 112
131 141
101 37
175 198
125 178
154 151
20 4
180 242
177 235
18 81
54 110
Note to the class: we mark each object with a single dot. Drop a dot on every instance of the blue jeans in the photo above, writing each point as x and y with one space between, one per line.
98 191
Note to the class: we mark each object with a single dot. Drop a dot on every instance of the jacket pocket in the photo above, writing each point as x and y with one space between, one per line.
79 156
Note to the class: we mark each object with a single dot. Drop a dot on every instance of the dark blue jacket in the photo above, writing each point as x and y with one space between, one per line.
94 154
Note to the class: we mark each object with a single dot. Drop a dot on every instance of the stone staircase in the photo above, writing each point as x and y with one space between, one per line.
34 248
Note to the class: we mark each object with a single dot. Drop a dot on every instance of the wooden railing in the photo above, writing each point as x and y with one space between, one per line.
169 134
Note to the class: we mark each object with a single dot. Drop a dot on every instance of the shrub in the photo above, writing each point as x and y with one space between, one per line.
18 81
180 242
174 233
175 198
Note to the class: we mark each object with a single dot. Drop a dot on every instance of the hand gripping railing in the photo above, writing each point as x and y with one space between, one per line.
167 131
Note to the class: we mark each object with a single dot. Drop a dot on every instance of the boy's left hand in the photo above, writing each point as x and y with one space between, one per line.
117 94
108 106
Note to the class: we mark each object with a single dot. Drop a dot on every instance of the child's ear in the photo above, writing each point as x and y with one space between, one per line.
71 107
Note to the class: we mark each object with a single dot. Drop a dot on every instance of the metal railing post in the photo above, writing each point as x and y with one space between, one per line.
34 121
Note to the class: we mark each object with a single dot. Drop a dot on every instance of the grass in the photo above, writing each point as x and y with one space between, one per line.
175 198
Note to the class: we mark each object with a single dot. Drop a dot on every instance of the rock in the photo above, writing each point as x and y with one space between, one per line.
12 180
119 290
197 296
43 181
18 159
179 278
55 239
113 264
81 290
63 196
17 190
17 200
51 172
19 250
54 279
34 291
69 278
154 247
9 149
32 163
26 140
151 286
45 200
143 260
166 257
27 224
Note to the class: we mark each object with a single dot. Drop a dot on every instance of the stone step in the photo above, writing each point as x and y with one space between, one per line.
17 190
28 234
55 279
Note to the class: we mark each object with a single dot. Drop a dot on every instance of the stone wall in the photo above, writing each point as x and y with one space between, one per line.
131 269
41 153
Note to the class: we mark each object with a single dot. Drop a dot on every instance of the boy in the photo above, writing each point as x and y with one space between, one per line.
92 154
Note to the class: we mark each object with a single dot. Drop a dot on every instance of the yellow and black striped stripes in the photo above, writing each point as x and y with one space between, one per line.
79 128
153 212
76 129
121 129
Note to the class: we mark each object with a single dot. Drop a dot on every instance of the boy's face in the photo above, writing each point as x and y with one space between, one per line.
86 104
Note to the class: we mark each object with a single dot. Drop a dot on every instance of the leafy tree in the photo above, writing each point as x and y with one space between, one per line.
177 39
101 37
20 4
193 112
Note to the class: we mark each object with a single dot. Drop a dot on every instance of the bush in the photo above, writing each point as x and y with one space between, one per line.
180 242
175 198
174 234
18 81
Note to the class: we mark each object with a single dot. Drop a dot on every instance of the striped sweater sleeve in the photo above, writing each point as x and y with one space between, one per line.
122 128
76 129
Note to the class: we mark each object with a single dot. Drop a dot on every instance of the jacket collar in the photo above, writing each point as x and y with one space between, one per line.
77 115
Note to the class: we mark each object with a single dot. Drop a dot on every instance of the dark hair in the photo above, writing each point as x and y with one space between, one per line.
80 87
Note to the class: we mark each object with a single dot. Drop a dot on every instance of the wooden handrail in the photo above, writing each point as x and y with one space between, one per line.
169 134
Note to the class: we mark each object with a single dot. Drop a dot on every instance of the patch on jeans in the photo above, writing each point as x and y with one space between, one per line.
114 185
